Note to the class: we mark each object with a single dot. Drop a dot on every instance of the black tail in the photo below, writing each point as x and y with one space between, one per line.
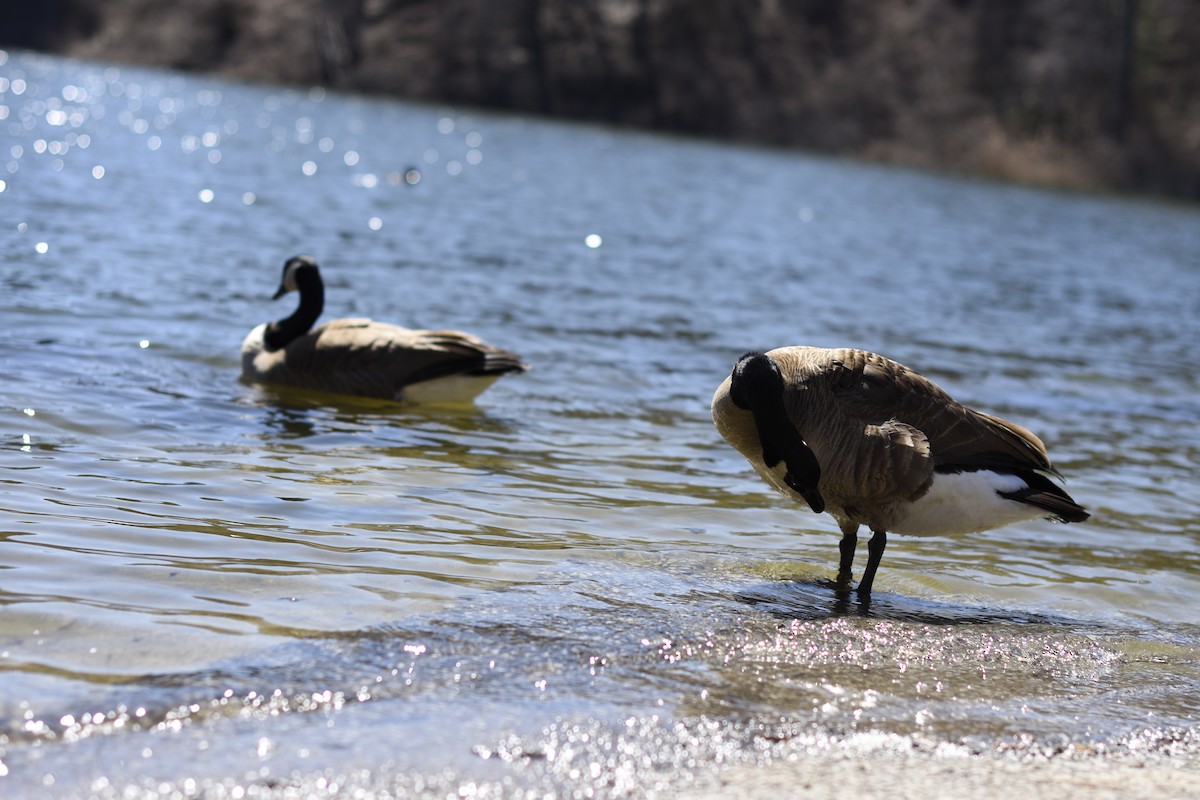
500 362
1048 495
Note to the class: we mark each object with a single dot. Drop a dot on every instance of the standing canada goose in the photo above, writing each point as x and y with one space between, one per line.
876 444
362 357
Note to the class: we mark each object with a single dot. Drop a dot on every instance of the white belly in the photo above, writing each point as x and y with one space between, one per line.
966 502
451 389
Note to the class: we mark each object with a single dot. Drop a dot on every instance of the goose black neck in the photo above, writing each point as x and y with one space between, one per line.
757 386
312 302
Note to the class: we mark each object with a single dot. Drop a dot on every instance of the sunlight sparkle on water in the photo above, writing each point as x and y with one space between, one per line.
740 661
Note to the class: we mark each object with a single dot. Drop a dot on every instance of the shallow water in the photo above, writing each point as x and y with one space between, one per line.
574 587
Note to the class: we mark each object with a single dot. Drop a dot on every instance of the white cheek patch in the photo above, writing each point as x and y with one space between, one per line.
289 277
775 477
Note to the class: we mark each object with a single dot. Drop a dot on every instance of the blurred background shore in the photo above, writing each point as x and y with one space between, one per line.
1085 94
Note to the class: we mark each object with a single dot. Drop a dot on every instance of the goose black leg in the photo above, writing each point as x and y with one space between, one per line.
846 547
874 555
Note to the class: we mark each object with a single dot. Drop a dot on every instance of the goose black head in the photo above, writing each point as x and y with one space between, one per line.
754 376
293 273
756 385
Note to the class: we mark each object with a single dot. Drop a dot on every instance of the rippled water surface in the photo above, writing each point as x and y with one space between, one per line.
574 587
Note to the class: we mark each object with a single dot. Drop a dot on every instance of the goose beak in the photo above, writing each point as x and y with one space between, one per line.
280 292
811 495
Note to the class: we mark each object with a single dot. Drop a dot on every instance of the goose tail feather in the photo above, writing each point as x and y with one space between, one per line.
1043 493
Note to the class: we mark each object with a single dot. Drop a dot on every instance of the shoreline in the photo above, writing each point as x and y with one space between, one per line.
1053 94
921 775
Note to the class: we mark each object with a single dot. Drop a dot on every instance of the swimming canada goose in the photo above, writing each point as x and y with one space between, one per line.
876 444
362 357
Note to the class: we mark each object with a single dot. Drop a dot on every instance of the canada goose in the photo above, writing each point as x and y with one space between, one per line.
362 357
874 443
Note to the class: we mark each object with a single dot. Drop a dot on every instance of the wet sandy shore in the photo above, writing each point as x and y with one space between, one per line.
898 777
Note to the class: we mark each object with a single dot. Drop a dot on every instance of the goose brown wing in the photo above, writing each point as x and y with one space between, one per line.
876 390
844 404
358 356
462 353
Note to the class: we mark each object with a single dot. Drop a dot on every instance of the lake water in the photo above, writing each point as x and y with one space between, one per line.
574 588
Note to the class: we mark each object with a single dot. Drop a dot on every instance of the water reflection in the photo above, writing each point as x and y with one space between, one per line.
833 680
813 600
